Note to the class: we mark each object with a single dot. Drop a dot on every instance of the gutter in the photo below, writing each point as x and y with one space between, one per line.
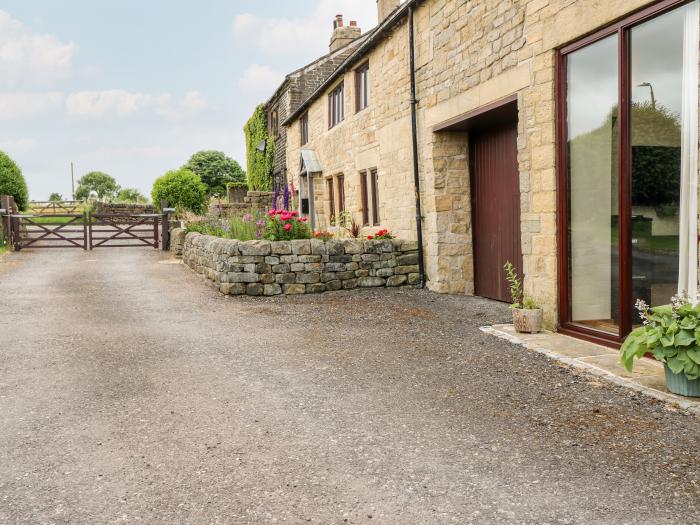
414 137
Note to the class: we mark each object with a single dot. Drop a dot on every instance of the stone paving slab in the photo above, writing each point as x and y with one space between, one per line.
647 376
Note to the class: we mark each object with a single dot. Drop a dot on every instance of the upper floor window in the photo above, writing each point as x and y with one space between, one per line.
336 106
304 128
362 87
274 123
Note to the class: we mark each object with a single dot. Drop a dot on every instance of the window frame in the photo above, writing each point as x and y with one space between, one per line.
340 183
374 183
362 87
622 28
336 105
330 189
304 129
274 123
364 198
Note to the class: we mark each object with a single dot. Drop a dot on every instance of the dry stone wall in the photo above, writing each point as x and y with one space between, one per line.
300 266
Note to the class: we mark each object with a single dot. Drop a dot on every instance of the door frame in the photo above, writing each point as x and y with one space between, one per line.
621 28
499 113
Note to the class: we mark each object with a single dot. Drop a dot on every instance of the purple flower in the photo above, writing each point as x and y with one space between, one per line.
286 197
276 196
258 234
247 218
261 223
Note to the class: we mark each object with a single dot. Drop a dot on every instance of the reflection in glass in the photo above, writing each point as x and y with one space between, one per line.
656 133
592 122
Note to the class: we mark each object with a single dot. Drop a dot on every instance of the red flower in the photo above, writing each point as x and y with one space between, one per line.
287 227
295 213
369 237
272 213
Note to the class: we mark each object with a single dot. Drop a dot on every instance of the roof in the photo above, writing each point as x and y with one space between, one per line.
310 162
372 38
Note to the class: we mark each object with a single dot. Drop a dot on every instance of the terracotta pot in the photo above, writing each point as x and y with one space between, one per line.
527 321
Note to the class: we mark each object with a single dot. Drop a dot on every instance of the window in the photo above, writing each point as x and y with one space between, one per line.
273 123
336 106
369 196
331 199
341 193
362 87
365 200
304 127
627 144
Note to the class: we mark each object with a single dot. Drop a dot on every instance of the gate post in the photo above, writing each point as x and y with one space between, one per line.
15 233
166 225
85 229
6 224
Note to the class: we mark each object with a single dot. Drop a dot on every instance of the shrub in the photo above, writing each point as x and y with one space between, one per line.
381 234
55 197
131 195
285 225
104 185
182 189
12 182
243 228
216 170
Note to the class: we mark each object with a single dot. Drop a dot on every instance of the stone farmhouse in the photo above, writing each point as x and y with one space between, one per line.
300 84
561 135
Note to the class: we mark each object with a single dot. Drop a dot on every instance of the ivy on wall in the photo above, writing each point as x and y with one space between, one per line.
260 163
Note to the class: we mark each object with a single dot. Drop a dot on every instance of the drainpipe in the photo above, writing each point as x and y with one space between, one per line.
414 133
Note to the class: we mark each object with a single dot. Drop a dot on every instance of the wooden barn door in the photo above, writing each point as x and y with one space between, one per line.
495 207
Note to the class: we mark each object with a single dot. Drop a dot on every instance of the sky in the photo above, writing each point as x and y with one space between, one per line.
134 88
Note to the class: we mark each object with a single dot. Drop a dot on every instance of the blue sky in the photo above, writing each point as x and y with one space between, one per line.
134 87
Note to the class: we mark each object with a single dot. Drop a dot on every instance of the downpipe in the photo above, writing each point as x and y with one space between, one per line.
414 134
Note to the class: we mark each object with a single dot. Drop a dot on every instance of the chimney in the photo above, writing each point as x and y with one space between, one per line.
342 34
385 8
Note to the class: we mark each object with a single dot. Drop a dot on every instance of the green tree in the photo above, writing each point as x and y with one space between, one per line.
55 197
104 185
260 151
12 182
215 169
131 195
183 189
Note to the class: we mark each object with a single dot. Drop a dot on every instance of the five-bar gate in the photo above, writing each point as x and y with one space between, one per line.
87 230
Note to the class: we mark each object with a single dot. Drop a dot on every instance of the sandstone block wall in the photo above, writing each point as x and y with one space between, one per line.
300 266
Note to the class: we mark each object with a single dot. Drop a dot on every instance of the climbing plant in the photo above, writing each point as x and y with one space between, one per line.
260 163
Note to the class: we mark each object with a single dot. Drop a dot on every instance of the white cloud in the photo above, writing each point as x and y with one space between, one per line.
25 55
260 79
23 105
123 103
289 36
18 146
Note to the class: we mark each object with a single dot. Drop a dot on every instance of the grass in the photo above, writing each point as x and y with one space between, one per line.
3 249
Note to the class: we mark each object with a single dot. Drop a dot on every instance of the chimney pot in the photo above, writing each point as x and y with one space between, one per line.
353 23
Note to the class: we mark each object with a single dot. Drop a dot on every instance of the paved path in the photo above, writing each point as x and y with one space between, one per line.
131 392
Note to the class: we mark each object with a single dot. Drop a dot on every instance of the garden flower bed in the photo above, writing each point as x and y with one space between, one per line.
264 267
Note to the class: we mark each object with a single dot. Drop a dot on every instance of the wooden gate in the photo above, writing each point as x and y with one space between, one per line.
495 191
123 231
52 231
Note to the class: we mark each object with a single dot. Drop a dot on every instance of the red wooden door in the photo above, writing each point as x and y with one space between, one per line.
495 199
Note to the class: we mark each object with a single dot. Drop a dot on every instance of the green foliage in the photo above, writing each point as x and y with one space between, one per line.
245 227
517 295
55 197
260 163
131 195
216 170
12 182
104 185
182 189
671 333
237 185
286 226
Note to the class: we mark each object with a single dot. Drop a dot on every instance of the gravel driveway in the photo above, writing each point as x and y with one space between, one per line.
131 392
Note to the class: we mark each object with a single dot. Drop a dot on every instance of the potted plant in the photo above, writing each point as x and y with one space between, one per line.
527 315
671 333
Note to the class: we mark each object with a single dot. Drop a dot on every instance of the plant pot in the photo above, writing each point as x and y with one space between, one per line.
527 321
681 385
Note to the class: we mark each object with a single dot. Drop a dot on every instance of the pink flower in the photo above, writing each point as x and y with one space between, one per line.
287 227
286 216
295 213
272 213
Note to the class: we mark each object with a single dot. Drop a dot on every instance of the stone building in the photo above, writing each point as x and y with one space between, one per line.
300 84
559 134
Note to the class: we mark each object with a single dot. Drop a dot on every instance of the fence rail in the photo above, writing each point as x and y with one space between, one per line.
55 207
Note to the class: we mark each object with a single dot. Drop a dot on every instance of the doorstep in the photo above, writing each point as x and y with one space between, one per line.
647 377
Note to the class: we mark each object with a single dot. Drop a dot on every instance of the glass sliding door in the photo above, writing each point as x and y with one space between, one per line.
629 133
657 88
592 122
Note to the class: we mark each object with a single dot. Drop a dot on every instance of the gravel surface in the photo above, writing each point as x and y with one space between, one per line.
130 391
